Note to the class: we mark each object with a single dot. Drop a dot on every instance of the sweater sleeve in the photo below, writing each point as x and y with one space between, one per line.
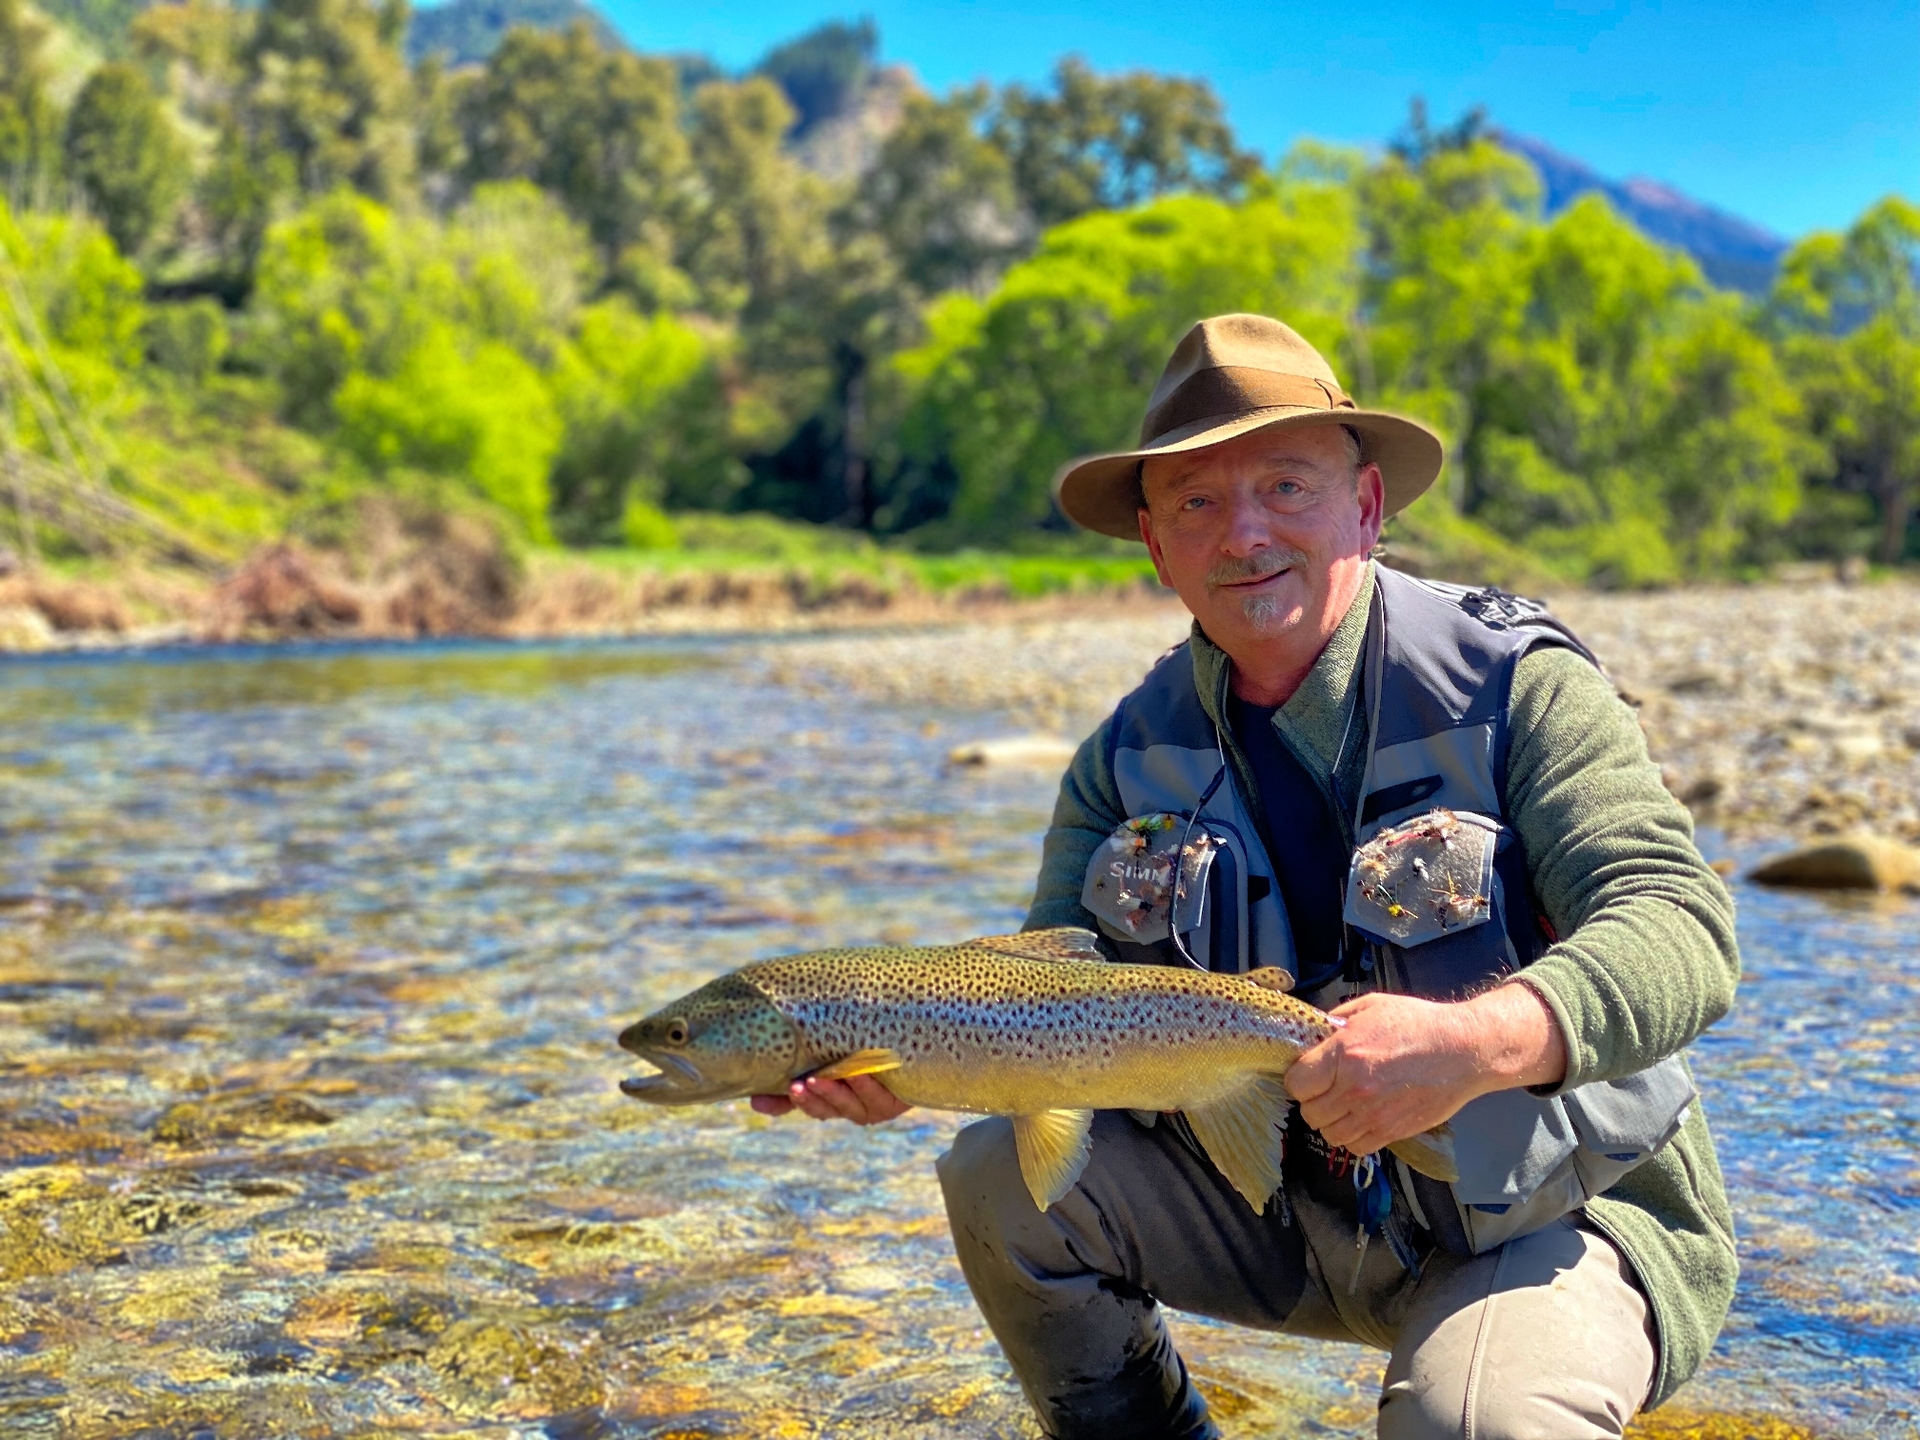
1084 815
1647 958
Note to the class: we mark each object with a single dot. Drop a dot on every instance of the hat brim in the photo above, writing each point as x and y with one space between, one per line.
1102 492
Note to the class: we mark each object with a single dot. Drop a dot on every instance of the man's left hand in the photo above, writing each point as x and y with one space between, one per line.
1401 1065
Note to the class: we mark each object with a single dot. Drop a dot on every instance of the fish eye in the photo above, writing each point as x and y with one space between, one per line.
676 1031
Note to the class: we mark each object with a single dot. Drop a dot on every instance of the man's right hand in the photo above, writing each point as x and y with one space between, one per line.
863 1100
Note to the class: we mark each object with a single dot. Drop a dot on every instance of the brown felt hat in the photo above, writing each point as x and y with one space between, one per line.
1230 375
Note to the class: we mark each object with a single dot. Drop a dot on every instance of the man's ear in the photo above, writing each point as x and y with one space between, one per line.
1371 492
1153 546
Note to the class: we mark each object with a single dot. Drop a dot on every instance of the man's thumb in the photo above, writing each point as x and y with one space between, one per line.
1312 1074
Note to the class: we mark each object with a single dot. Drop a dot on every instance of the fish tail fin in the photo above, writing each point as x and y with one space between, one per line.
1431 1153
1053 1147
1244 1135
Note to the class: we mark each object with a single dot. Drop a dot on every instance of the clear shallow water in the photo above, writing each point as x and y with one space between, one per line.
309 970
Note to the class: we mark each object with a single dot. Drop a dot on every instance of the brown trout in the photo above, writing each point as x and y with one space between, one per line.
1038 1026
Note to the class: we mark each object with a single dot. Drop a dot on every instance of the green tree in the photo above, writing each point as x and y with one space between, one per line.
760 225
1446 238
941 197
600 129
348 286
124 155
1060 359
644 410
1110 142
1849 306
476 411
326 86
29 123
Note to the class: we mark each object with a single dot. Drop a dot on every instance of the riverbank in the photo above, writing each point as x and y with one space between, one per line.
461 583
1776 709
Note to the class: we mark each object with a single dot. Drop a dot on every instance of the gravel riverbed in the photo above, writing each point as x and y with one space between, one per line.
1772 709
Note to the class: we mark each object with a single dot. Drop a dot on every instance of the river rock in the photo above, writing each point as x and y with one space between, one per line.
24 628
1852 862
1031 751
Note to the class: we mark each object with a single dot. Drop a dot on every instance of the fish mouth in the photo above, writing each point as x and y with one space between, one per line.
672 1076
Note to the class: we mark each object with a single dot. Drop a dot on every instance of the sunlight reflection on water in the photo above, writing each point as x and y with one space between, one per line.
309 970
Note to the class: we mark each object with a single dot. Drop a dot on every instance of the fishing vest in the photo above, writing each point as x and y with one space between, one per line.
1436 686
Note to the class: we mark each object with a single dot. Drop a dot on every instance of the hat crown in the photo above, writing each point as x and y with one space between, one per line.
1240 342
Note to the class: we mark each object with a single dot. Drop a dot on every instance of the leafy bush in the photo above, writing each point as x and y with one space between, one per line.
188 339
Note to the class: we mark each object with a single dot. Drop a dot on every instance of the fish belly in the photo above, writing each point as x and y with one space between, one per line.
1197 1076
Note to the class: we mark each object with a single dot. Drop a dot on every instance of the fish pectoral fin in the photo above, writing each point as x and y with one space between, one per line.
1271 977
861 1062
1431 1153
1053 1146
1062 943
1148 1118
1245 1137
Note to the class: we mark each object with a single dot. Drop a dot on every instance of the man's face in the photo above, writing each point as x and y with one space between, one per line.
1263 536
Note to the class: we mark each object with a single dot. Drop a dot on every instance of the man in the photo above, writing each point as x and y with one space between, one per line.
1326 720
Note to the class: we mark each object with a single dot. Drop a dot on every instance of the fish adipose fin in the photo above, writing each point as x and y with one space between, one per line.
1053 1147
1271 977
1245 1137
1063 942
1431 1153
860 1062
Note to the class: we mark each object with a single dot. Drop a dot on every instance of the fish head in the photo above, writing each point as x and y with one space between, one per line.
725 1040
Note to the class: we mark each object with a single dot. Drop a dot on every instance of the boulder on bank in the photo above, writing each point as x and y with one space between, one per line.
1850 862
1033 751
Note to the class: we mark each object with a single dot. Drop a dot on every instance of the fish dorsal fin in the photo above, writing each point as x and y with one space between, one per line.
1244 1135
1053 1146
861 1062
1063 942
1271 977
1431 1153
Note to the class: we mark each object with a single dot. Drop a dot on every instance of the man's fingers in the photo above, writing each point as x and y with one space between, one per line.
771 1104
863 1100
881 1103
1311 1076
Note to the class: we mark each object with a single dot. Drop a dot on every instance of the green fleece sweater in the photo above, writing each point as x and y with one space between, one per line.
1647 962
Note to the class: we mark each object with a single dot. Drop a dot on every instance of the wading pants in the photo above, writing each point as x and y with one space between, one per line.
1546 1338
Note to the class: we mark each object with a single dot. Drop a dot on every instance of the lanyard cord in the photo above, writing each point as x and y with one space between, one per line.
1180 862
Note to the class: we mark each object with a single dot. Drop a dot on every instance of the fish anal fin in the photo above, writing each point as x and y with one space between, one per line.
1244 1134
1053 1146
1063 942
1271 977
1431 1153
861 1062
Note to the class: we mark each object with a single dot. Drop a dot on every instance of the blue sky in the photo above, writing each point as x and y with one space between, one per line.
1796 116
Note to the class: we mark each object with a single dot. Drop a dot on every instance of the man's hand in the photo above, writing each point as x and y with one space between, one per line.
863 1100
1400 1065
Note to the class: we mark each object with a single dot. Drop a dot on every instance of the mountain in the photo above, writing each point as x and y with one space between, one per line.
466 32
1734 253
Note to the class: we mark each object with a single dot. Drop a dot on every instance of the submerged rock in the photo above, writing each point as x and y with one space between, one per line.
1852 862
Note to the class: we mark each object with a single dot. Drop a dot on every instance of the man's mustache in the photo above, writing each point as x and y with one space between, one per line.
1257 566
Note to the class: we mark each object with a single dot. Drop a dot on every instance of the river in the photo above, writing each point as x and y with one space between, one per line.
310 968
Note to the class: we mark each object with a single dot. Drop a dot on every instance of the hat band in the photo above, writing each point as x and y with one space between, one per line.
1230 390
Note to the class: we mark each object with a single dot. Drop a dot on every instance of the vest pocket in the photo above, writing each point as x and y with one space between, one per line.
1159 873
1425 878
1526 1160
